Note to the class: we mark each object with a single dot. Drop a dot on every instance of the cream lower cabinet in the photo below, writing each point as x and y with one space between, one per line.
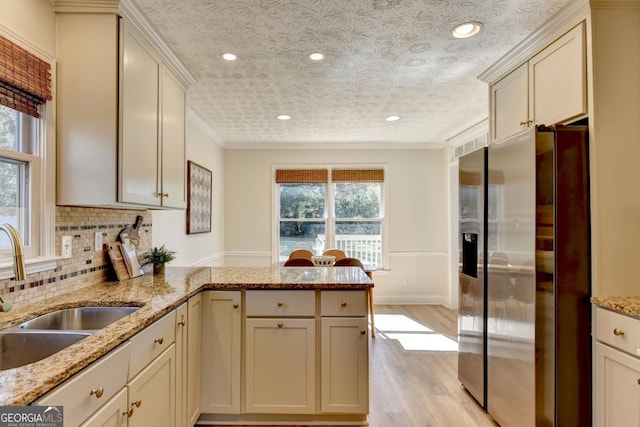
112 414
221 352
280 366
151 393
617 370
188 361
344 352
91 389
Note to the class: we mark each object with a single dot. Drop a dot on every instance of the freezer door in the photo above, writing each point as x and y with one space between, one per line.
471 320
511 269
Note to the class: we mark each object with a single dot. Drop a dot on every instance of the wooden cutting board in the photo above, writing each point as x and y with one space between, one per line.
115 255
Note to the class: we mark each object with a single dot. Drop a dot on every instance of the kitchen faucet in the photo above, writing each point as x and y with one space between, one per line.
16 247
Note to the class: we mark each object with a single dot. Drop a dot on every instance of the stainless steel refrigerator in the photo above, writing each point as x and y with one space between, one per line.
533 258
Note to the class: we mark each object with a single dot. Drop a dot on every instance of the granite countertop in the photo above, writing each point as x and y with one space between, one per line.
156 295
627 305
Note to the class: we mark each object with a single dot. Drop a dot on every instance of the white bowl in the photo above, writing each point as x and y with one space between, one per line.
323 259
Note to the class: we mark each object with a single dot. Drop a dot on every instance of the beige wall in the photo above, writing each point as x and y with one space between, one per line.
32 21
170 225
417 209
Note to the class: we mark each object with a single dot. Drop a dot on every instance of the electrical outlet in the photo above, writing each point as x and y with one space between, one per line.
98 242
65 249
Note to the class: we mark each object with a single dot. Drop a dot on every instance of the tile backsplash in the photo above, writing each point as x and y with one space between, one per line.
86 266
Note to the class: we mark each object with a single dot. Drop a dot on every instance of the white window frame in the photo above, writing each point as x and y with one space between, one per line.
43 182
329 219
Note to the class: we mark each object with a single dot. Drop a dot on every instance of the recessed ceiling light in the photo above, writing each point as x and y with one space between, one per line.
467 29
283 117
229 56
316 56
392 118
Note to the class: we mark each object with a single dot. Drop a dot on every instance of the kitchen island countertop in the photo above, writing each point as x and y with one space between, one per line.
627 305
157 295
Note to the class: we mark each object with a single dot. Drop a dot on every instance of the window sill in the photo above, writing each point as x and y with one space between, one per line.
31 266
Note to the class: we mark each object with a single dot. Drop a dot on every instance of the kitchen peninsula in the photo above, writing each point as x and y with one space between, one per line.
316 297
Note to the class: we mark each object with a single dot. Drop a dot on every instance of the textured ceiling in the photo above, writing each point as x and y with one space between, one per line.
382 57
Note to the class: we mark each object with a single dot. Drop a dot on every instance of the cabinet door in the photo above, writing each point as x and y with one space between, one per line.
617 388
194 361
152 393
558 79
138 148
112 414
280 366
345 365
181 363
509 104
221 350
173 142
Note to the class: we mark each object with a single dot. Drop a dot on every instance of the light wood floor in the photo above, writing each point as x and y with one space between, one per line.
417 388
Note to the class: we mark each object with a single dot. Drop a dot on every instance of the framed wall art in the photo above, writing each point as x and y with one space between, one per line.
199 183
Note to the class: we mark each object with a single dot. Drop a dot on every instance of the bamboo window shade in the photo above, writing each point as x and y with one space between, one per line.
25 79
301 176
357 175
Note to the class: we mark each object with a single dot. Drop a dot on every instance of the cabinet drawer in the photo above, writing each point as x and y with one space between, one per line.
281 303
618 330
149 343
343 303
79 395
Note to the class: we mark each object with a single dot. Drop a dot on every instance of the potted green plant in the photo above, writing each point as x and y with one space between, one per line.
158 257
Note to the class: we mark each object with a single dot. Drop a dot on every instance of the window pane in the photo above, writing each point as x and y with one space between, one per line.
361 239
357 200
8 128
302 200
301 235
11 177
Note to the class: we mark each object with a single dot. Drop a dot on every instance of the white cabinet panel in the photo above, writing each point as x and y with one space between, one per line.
280 366
558 79
172 139
112 414
345 365
509 103
221 349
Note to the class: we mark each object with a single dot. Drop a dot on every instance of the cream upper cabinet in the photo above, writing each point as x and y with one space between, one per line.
550 88
558 80
221 350
120 116
617 370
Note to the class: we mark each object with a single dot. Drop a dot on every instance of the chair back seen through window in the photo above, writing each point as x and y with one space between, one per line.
349 262
301 253
298 262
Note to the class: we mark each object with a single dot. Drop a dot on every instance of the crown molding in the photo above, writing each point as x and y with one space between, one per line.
382 145
86 6
561 22
129 10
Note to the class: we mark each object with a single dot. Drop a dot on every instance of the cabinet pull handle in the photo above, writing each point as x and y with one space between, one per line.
235 306
280 325
128 412
618 332
344 304
363 332
280 303
97 392
182 322
522 123
159 340
137 403
164 194
638 380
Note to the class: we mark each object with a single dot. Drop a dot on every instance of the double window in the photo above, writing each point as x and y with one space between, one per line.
318 209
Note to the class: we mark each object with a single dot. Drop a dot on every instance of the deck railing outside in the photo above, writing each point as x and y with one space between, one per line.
367 248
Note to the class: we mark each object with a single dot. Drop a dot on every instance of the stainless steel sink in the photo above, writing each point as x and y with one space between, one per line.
79 319
23 347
